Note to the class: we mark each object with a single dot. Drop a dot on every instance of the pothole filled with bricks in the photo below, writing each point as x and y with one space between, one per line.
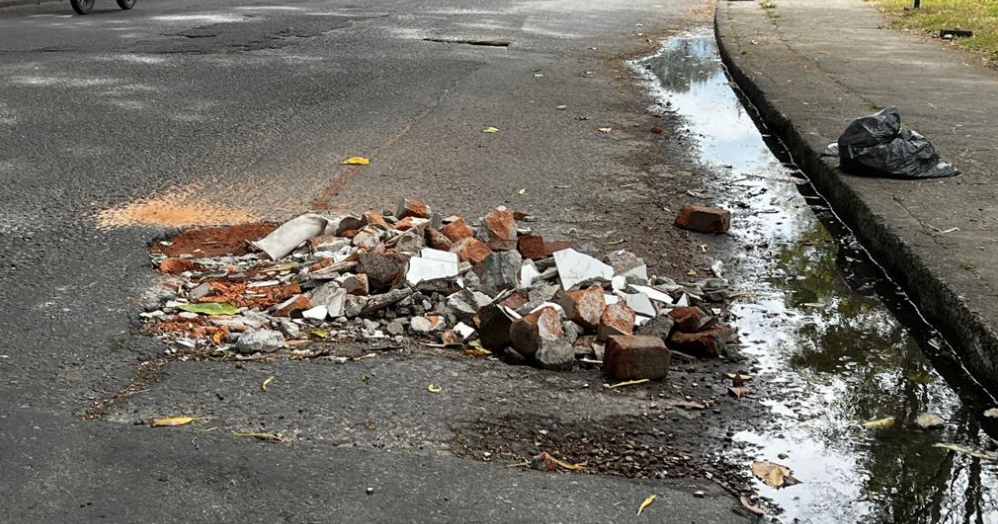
351 287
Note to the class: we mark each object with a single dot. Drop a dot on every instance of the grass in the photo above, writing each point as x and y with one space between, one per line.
979 16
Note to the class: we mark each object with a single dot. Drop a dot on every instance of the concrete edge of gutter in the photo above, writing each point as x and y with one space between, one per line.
973 340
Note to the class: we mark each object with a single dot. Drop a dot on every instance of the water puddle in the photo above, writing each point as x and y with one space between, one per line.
837 342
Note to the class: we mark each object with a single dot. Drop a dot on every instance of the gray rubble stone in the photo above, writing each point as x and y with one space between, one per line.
556 355
499 271
261 341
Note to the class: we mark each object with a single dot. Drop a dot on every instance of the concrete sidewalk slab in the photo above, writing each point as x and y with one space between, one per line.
810 68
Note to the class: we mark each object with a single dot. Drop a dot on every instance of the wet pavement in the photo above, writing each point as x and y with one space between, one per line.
836 342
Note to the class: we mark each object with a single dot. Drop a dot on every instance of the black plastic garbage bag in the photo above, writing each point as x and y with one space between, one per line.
876 145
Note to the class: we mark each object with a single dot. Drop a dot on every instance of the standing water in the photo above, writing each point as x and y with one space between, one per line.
837 343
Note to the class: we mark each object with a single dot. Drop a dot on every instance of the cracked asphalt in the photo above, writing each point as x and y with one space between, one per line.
117 126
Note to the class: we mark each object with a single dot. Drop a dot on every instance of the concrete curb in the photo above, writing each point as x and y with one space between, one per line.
975 341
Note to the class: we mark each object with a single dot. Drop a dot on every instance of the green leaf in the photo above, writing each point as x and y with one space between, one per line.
211 308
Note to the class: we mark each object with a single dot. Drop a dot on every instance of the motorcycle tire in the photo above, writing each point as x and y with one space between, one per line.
126 4
82 7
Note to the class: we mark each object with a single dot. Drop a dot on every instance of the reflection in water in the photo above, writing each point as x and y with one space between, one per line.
832 354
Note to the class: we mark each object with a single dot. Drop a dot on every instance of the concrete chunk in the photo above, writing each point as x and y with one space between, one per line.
575 267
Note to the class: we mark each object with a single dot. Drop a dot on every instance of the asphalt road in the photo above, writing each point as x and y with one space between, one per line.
118 124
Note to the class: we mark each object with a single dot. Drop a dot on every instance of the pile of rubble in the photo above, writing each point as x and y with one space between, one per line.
493 285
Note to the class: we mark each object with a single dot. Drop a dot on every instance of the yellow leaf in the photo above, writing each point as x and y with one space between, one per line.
357 161
490 129
266 383
173 421
321 333
568 465
646 503
881 423
477 352
433 388
522 191
628 383
605 129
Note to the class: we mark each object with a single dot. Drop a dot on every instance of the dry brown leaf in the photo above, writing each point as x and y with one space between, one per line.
773 475
752 508
162 422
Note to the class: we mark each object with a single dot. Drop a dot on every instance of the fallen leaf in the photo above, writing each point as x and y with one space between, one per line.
433 388
162 422
321 333
522 191
739 391
562 187
266 383
739 376
210 308
356 161
628 383
605 129
270 437
477 352
752 508
967 450
773 475
568 465
490 129
880 423
218 336
647 502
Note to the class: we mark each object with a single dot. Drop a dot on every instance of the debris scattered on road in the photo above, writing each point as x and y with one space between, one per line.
490 130
647 502
747 504
991 413
490 287
268 437
967 450
773 475
268 381
877 145
173 421
433 388
356 161
703 219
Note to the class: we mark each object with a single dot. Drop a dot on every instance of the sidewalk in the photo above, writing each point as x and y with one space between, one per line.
811 68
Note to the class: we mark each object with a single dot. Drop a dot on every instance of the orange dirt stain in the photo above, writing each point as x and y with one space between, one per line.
173 210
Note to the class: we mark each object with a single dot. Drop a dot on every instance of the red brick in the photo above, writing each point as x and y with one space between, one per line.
501 230
457 231
527 333
635 358
373 217
703 219
617 319
437 240
688 318
520 215
176 266
584 307
407 223
413 208
556 245
532 247
708 343
471 250
515 301
295 303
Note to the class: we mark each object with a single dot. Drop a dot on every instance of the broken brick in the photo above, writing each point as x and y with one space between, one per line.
708 343
291 305
703 219
500 230
532 247
527 333
457 230
176 266
617 319
470 250
412 223
635 358
584 307
516 300
520 215
494 323
556 245
373 217
413 208
437 240
688 318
